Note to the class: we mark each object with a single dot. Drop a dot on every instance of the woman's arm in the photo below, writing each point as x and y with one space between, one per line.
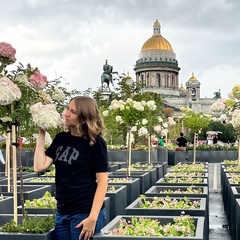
89 223
41 161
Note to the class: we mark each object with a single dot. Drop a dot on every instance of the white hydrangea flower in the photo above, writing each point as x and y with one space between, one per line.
131 138
236 118
134 128
48 139
144 121
9 92
22 78
157 128
142 131
151 105
58 94
138 106
105 113
6 119
164 132
160 119
45 116
119 119
165 125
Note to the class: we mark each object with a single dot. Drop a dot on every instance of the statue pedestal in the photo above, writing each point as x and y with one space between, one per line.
106 94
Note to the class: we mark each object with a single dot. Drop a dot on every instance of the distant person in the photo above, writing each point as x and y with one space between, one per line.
215 139
209 140
181 141
160 142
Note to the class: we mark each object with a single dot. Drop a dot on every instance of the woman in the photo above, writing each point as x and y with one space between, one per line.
80 158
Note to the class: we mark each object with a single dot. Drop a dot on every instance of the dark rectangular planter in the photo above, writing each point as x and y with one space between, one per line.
6 205
4 218
234 195
199 221
37 211
135 209
161 182
238 219
107 206
153 173
133 187
42 181
176 157
27 236
136 156
118 201
29 191
143 176
162 154
113 167
156 191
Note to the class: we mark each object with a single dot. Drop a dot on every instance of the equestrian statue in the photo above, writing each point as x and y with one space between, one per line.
107 76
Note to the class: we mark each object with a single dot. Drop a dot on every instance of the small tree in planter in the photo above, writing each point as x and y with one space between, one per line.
26 97
136 120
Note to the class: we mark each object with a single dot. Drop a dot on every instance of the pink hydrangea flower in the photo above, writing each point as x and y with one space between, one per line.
38 80
6 50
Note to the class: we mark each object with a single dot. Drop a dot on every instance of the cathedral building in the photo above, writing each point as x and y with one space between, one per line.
158 71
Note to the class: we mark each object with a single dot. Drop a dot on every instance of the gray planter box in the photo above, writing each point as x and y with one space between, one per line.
4 218
135 209
118 201
6 205
162 155
137 156
199 221
133 188
29 191
42 181
143 176
176 157
27 236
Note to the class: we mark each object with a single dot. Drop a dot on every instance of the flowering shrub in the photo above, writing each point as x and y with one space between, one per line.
189 190
141 117
27 97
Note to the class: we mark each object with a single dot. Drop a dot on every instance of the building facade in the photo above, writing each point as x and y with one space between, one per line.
157 71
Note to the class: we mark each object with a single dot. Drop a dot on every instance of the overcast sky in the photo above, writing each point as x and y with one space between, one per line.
73 38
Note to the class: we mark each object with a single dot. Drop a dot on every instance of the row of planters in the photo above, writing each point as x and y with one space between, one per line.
172 196
230 185
174 206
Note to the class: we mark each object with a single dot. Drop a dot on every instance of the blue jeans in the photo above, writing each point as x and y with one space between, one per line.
65 225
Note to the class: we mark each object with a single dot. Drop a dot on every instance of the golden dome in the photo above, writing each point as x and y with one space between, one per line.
182 87
157 42
192 78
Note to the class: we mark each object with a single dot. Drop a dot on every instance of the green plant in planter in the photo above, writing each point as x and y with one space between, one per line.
184 174
182 180
43 179
143 226
229 161
188 190
197 167
167 202
111 189
30 225
47 201
26 169
120 180
233 168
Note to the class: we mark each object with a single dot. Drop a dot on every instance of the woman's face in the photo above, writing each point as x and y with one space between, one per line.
71 115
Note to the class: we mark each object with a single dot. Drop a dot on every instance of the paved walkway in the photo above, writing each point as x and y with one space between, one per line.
218 224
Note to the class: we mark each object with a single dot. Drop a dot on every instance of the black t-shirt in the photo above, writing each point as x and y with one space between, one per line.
182 142
76 164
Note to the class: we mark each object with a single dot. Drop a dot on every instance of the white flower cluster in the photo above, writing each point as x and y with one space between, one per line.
48 139
58 94
45 116
236 118
9 92
218 106
142 132
23 79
